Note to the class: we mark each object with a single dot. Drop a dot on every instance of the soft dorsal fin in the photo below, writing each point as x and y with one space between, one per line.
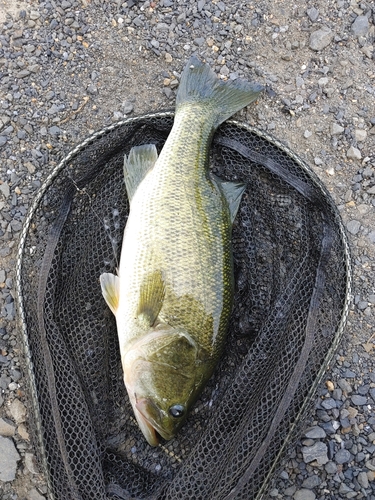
110 284
151 298
233 192
140 160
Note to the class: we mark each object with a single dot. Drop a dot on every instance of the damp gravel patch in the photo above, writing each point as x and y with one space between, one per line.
69 68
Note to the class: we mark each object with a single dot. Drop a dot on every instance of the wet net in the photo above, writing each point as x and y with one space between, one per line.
292 273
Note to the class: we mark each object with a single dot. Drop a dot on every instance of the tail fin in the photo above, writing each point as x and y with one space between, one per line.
200 84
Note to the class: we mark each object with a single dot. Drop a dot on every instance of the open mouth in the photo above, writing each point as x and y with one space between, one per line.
147 428
150 428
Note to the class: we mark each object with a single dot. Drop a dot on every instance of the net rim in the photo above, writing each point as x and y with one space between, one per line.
21 318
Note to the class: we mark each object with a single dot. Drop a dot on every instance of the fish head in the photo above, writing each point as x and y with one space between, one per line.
163 373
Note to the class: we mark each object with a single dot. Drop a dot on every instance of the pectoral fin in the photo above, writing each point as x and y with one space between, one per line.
233 192
110 290
151 298
140 160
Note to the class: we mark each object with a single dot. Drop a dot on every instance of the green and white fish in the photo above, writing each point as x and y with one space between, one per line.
173 294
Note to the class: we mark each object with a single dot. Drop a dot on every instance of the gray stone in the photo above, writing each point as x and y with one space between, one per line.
328 403
330 467
316 452
7 428
362 478
224 70
343 457
16 375
359 400
311 482
368 172
92 89
347 491
353 226
199 41
54 130
360 26
290 491
370 464
4 188
54 109
127 107
304 494
315 432
362 305
8 459
23 73
320 39
3 140
313 14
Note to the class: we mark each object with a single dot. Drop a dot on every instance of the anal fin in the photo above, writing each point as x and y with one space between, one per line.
110 284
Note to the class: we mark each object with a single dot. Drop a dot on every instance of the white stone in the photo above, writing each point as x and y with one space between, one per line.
7 428
354 153
30 463
336 129
18 411
360 134
22 431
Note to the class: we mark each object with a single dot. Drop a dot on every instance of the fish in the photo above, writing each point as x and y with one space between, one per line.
172 295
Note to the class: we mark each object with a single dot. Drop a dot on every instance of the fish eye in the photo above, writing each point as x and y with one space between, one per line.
177 411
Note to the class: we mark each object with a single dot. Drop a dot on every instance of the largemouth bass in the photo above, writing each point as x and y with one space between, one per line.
173 294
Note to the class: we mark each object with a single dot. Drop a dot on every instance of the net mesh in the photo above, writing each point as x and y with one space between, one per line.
292 273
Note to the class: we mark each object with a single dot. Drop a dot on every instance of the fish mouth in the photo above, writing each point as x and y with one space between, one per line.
153 428
147 428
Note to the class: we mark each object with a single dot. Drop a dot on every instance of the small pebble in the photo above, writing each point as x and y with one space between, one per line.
360 26
320 39
304 494
353 226
8 459
354 153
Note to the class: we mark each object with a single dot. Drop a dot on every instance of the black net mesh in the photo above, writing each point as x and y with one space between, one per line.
292 271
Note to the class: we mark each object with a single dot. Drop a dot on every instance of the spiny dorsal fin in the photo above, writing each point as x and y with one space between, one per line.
151 298
140 160
110 284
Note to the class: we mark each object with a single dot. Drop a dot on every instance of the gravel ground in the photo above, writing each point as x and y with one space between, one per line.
70 67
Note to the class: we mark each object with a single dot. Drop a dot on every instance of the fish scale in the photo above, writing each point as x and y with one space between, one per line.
173 295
